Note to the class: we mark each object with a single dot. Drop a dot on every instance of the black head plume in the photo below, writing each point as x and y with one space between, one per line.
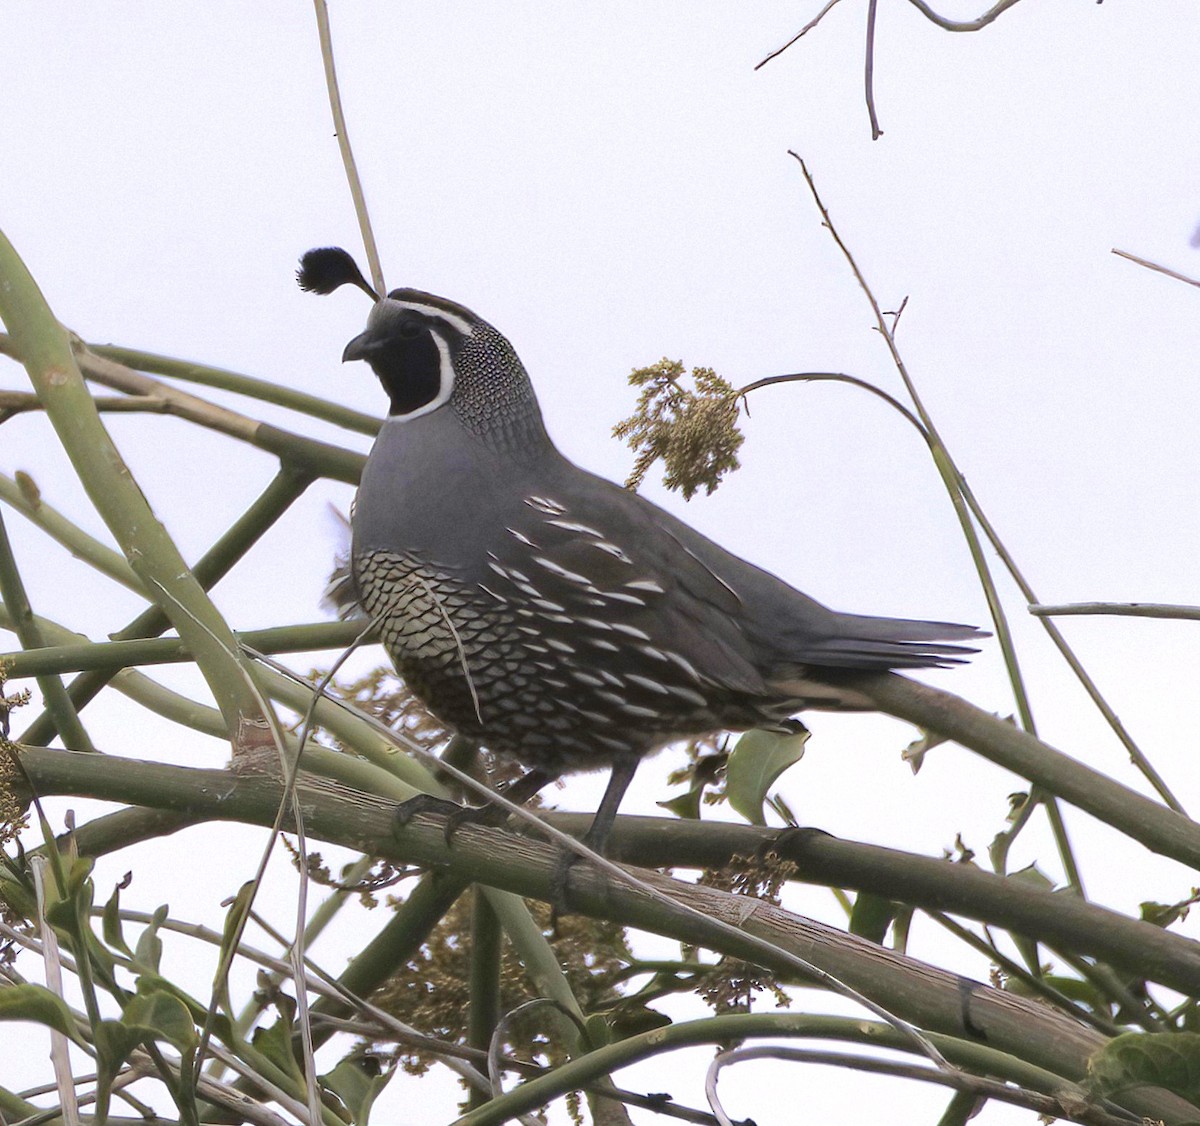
329 267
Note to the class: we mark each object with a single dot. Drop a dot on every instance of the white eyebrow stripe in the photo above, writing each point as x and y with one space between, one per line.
459 324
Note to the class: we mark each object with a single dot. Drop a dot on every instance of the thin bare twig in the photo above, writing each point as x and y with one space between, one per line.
956 489
962 25
1075 1105
343 136
799 34
1117 609
869 70
1156 267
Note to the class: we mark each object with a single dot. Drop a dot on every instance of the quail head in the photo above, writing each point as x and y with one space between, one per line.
550 614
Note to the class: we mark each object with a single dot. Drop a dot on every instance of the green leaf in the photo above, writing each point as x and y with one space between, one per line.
275 1043
357 1081
757 760
149 946
115 1042
871 916
686 805
36 1003
111 920
159 1015
633 1019
18 898
596 1029
1137 1059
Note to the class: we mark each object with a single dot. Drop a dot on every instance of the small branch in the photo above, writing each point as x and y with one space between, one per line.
799 35
1117 609
869 70
837 377
1075 1108
343 136
962 25
19 402
1156 267
262 389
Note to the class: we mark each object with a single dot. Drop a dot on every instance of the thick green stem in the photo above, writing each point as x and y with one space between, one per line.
261 389
114 655
58 703
48 358
218 561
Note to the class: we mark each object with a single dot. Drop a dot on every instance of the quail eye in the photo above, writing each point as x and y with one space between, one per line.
410 330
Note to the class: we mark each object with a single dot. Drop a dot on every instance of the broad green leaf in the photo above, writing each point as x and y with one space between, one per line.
275 1043
757 760
1137 1059
357 1081
160 1015
36 1003
596 1029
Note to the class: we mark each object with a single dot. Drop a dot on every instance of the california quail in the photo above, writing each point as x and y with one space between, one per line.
548 613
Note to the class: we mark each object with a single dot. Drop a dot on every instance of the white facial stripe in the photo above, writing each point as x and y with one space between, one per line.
459 324
445 383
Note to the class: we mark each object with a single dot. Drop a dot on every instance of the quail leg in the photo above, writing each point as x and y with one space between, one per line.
596 838
489 813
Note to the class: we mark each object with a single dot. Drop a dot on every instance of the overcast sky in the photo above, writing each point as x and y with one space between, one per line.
608 184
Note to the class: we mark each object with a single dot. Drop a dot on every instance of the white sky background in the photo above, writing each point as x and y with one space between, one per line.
608 184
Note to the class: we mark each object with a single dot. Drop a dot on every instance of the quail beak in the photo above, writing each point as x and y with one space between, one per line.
360 348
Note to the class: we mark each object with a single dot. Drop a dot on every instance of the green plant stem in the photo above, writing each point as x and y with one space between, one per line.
322 459
1062 921
137 686
48 358
536 1093
22 494
952 480
261 389
58 703
917 992
114 655
486 937
1158 828
1032 982
1136 756
284 488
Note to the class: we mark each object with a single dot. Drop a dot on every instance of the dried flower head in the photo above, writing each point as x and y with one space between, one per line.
693 429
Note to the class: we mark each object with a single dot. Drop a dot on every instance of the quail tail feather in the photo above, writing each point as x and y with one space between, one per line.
865 642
